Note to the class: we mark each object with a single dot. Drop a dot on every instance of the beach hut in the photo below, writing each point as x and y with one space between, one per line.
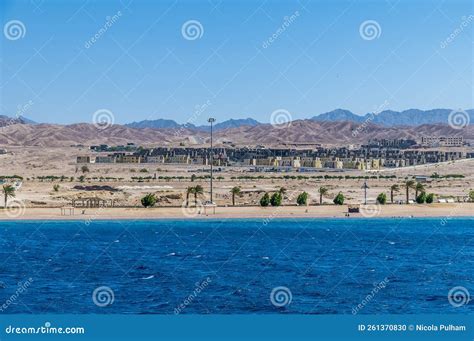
353 209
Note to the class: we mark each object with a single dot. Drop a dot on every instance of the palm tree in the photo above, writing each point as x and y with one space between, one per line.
393 188
189 190
8 192
235 191
409 184
419 188
197 190
322 192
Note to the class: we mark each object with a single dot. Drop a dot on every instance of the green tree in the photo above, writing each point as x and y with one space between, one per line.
149 200
84 169
339 199
302 199
393 188
198 190
421 199
409 184
189 191
471 196
276 199
8 192
419 188
265 200
322 192
235 191
82 178
382 198
430 198
193 177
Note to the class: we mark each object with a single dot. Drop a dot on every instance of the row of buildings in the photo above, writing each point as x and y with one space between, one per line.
375 155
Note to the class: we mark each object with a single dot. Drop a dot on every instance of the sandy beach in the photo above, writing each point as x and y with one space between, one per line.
443 211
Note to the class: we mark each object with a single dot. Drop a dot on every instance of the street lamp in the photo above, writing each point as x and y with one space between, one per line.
211 120
365 187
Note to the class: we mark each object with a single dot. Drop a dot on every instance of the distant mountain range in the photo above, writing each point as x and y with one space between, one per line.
386 118
170 124
390 118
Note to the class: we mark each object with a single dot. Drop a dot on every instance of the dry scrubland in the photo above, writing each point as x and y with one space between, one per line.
34 162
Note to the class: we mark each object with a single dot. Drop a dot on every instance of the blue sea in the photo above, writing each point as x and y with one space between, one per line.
283 266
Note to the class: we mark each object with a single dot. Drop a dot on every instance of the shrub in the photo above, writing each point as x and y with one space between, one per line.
302 199
276 199
149 200
471 196
421 198
430 198
56 188
265 200
382 198
339 199
84 169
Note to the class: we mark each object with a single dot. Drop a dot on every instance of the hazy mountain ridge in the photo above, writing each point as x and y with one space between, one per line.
162 123
299 131
390 118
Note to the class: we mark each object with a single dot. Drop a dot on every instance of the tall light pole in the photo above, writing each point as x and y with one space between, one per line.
365 187
211 120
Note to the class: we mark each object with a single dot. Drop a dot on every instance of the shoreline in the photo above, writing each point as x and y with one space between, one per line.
444 211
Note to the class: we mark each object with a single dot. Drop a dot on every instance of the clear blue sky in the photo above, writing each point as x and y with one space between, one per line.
143 68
